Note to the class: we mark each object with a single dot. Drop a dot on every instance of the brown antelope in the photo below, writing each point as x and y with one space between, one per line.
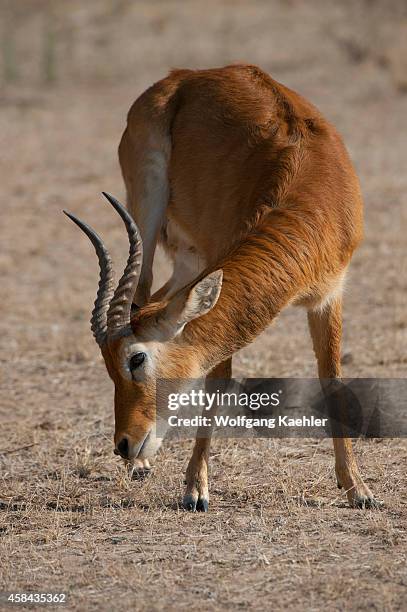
252 194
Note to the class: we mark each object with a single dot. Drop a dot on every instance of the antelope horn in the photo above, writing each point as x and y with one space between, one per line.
118 315
106 282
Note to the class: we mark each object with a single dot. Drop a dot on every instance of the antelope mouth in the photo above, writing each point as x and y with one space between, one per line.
131 451
143 446
143 449
149 446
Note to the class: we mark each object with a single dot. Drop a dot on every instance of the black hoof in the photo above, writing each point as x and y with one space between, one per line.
189 503
367 502
202 505
195 505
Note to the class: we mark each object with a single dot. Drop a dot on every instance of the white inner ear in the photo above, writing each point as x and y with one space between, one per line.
202 298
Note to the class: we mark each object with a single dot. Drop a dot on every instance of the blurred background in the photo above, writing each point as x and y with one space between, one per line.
106 42
69 72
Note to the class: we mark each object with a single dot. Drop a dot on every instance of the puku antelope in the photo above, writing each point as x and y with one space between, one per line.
253 196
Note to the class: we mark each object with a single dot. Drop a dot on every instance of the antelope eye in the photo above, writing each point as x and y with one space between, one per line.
136 360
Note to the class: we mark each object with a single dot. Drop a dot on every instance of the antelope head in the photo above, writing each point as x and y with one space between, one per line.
142 347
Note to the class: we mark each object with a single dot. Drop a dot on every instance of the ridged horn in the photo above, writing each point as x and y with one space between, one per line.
118 315
106 282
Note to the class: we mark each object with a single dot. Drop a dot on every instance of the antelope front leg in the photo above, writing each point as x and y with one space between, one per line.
326 330
196 498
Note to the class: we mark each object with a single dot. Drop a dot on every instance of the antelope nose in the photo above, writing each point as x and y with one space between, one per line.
123 448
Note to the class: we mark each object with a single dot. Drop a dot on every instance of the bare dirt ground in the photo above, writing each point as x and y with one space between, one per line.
279 533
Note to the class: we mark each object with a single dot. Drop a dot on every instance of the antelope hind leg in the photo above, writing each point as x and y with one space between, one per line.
326 329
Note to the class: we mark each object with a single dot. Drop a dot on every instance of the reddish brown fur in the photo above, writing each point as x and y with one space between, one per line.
296 213
264 186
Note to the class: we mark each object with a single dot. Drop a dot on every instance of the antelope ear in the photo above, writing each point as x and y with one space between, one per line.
193 302
202 297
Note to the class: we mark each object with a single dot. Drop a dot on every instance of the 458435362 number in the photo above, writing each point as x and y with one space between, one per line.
44 598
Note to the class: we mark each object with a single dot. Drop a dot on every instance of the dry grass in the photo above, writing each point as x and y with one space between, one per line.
279 534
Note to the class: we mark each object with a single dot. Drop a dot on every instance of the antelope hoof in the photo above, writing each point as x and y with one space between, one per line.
359 495
363 501
195 504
